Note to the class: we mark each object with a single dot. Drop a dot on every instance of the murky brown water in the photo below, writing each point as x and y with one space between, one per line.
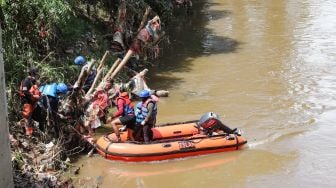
267 67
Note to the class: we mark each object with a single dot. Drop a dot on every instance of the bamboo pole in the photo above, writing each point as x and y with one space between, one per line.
83 75
102 61
122 63
106 78
99 73
115 64
144 18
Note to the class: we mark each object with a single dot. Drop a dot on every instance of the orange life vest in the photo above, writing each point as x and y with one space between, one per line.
34 91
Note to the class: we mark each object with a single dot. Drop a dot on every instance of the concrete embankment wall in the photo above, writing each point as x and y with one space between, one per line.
6 175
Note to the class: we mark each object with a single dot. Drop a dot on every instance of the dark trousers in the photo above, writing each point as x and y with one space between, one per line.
47 104
143 133
147 132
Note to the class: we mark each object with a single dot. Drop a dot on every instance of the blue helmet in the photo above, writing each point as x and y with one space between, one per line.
144 94
62 88
80 60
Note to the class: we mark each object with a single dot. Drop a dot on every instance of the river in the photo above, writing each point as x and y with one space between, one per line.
266 67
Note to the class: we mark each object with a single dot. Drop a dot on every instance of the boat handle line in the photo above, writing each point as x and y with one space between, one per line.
177 123
237 143
106 136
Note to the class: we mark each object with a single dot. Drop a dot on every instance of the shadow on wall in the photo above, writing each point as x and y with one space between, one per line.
189 38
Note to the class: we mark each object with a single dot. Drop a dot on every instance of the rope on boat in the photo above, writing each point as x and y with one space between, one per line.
168 124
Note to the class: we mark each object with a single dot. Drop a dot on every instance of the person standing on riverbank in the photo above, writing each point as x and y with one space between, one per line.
29 94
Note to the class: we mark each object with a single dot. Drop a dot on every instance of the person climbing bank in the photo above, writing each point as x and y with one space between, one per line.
50 101
29 95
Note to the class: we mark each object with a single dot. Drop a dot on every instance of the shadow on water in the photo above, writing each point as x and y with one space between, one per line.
189 38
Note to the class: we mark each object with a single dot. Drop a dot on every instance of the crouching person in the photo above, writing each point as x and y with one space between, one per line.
210 124
49 101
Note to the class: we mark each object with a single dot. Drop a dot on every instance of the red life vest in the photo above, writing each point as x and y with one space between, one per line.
128 105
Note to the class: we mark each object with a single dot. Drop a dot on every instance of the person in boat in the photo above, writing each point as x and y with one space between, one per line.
124 115
29 95
145 113
80 60
210 124
49 103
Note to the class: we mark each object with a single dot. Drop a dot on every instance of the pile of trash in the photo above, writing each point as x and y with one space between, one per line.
39 160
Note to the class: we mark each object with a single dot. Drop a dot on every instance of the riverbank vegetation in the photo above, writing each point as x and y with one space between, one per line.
49 34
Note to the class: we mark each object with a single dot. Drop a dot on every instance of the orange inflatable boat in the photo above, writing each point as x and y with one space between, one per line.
169 141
